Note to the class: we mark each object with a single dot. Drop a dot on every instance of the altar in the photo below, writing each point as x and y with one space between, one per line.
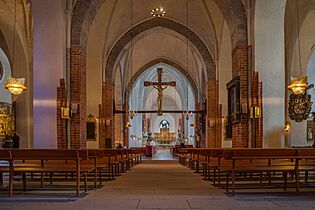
165 137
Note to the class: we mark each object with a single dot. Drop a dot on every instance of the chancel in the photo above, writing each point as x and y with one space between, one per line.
157 104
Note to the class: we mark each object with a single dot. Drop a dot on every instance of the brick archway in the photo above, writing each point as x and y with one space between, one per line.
86 10
169 62
165 23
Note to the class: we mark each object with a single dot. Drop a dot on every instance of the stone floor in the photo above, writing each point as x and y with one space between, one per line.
158 184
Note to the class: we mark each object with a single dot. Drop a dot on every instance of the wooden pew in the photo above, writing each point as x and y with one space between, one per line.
244 161
7 167
50 161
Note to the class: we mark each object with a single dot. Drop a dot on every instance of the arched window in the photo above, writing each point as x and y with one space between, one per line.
164 124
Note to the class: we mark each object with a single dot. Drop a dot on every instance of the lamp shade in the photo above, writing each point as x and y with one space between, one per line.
15 85
298 84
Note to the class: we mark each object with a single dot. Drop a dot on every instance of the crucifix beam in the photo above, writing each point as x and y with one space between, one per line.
165 111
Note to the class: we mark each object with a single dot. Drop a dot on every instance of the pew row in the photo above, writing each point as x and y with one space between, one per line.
76 163
260 164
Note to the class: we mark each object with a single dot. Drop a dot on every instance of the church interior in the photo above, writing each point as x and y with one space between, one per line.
157 90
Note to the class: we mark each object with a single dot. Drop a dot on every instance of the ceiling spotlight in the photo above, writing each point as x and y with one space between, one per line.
158 12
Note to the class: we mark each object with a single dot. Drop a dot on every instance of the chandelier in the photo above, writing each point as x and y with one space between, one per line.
298 84
15 85
158 12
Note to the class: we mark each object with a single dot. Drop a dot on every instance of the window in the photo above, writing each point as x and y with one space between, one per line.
164 124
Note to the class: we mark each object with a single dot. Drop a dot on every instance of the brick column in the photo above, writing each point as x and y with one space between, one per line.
118 120
257 124
61 123
101 128
200 126
108 110
240 68
212 136
78 96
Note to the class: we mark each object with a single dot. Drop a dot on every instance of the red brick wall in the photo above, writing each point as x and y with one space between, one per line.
240 68
108 110
61 123
78 96
256 124
212 136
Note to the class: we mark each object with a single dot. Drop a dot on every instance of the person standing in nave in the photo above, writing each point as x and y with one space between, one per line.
16 141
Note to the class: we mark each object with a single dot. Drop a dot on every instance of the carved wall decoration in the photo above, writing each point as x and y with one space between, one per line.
300 105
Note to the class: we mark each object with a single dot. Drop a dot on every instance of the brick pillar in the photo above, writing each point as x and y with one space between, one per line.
256 124
78 96
118 120
108 110
61 123
212 136
101 129
240 68
125 129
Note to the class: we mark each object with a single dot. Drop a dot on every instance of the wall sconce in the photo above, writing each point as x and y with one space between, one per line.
287 127
254 112
65 113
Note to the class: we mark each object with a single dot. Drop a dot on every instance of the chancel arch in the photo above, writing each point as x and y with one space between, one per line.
175 100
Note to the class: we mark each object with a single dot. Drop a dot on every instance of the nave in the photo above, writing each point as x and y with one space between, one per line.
160 184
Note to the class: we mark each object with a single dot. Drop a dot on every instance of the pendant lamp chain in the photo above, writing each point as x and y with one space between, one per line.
15 85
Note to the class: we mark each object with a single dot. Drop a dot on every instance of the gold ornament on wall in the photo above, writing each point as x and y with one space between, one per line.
300 105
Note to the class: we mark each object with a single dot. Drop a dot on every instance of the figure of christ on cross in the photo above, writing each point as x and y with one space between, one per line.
160 86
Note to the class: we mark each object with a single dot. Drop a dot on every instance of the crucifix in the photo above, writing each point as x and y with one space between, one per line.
160 86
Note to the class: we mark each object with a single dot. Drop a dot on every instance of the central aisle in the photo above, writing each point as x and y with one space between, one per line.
160 177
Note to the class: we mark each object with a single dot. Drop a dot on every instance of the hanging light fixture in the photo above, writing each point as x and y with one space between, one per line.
298 84
158 12
15 85
186 113
300 103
